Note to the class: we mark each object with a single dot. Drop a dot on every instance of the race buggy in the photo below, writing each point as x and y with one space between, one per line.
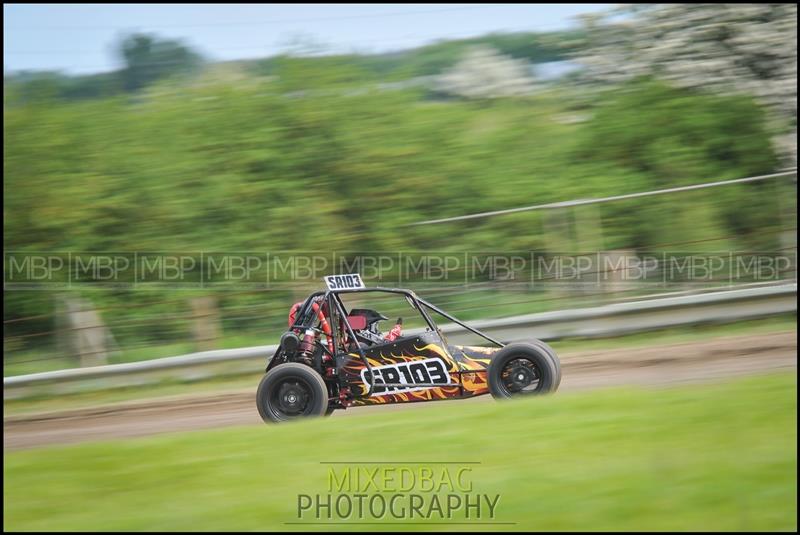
334 356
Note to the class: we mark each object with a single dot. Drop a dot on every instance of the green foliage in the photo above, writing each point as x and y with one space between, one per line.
312 73
653 136
432 59
24 88
245 167
147 59
677 135
533 47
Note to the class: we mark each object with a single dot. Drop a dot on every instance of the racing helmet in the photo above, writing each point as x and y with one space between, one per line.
370 332
372 317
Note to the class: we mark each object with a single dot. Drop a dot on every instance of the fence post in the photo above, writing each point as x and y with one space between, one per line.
589 228
788 238
613 270
88 332
206 324
556 234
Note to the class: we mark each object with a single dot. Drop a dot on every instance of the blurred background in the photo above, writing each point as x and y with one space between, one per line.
351 130
329 129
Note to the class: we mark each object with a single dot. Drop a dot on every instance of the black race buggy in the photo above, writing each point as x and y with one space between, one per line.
332 358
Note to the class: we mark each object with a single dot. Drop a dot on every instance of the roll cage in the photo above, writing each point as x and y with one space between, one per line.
306 317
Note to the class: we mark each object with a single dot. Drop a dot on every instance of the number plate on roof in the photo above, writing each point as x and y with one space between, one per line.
344 282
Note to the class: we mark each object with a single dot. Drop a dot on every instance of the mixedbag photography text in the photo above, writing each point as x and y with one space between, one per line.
398 492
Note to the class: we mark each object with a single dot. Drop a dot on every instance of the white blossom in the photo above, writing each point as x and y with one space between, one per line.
725 48
485 73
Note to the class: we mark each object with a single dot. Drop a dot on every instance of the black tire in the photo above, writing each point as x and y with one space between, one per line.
524 369
291 391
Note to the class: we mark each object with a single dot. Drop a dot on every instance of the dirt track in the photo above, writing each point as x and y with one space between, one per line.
676 363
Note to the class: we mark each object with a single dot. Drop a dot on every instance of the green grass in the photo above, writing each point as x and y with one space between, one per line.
162 389
713 457
683 334
36 361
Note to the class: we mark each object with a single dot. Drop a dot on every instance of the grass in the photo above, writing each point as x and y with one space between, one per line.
36 361
564 348
719 456
683 334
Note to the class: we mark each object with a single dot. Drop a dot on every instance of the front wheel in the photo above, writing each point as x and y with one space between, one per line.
290 391
524 369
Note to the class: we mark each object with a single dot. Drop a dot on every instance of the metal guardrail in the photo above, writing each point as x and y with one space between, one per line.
636 316
607 320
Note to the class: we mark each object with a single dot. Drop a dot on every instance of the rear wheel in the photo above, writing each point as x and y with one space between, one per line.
291 391
524 369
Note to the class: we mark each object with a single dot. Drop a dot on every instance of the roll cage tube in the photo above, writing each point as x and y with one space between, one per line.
306 314
338 305
461 323
335 302
407 293
340 308
417 300
303 312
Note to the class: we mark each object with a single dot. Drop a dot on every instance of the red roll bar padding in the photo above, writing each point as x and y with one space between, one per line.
293 312
326 328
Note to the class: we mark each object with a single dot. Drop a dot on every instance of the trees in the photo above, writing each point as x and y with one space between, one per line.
241 167
652 136
677 135
148 59
485 73
725 48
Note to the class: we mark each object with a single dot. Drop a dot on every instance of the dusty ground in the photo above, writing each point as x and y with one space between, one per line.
652 366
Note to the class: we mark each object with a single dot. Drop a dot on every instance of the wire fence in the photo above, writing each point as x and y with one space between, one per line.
581 202
258 323
130 330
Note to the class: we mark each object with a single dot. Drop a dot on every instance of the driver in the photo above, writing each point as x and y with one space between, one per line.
371 334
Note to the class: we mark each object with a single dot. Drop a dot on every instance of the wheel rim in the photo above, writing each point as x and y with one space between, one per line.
521 376
290 398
